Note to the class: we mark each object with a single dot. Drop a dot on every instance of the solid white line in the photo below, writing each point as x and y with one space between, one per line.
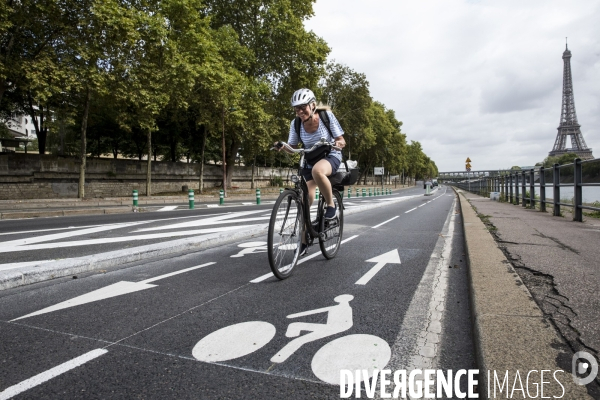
176 273
412 209
270 274
168 208
385 222
51 373
47 230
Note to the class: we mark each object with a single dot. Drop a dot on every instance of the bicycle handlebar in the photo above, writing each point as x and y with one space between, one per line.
291 149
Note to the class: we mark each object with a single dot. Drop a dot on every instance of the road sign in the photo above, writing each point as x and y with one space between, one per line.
468 160
468 166
378 171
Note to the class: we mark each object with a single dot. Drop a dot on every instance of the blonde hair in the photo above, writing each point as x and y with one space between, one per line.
322 107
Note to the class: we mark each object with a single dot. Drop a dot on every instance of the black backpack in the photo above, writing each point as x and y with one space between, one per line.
324 117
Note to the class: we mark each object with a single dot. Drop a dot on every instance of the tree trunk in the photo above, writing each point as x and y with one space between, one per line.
38 124
235 144
83 150
149 169
202 147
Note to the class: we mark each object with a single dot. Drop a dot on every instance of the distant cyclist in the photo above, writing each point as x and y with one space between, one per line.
312 129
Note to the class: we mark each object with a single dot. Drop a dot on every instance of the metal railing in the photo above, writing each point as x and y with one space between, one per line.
519 186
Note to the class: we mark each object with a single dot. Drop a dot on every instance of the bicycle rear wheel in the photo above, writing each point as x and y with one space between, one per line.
285 234
331 230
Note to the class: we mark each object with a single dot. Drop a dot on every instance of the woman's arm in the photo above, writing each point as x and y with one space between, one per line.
340 142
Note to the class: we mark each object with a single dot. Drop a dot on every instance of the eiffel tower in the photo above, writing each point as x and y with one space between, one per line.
568 118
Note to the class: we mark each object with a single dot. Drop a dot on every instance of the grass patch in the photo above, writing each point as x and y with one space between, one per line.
486 221
591 213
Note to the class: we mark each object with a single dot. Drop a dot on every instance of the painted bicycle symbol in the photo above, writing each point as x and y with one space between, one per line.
351 352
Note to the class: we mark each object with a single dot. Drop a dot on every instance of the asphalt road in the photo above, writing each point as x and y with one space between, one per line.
214 325
47 239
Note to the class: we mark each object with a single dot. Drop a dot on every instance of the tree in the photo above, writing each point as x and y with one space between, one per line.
347 93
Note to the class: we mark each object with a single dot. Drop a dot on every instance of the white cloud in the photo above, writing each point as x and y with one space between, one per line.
479 79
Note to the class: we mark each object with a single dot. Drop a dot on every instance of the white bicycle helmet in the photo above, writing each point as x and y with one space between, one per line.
303 96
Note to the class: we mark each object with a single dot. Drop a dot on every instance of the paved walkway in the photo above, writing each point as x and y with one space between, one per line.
558 260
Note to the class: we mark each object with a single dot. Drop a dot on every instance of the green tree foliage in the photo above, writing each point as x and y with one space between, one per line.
167 79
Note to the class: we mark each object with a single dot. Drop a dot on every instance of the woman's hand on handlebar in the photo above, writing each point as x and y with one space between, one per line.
277 146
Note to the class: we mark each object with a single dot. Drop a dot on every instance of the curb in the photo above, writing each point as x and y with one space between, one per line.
64 213
511 333
61 268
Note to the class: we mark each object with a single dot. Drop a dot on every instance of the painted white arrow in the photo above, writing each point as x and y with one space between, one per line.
391 257
114 290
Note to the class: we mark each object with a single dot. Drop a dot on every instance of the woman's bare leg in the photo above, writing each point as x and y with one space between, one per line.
320 172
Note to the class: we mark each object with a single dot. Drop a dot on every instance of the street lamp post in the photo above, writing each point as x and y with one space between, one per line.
224 159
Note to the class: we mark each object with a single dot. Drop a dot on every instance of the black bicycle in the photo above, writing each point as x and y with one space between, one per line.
291 224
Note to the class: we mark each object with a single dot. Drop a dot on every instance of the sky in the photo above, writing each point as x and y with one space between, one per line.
478 79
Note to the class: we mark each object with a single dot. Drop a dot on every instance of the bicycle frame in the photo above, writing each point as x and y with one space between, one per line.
301 188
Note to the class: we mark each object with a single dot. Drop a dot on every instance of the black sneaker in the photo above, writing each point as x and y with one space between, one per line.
331 213
303 250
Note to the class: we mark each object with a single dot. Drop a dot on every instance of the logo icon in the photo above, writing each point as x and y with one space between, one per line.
581 367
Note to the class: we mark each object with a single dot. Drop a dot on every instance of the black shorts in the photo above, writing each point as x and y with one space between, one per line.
335 164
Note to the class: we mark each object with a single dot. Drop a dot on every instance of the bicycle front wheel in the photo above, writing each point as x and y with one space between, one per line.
331 230
285 234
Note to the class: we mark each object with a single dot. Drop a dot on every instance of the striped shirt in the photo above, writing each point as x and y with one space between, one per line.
309 139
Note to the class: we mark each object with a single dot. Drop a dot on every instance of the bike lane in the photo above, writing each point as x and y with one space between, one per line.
164 324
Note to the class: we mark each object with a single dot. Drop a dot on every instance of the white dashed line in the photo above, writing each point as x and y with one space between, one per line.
412 209
385 222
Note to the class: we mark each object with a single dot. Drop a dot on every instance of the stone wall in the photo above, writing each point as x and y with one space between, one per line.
34 176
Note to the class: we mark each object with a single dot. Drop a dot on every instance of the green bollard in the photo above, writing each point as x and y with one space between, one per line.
258 196
364 192
135 198
349 195
280 190
317 194
357 192
370 192
191 198
221 197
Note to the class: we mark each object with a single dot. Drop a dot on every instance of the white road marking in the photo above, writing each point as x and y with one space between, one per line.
385 222
248 204
339 319
49 374
11 244
212 220
114 290
88 242
412 209
48 230
168 208
366 353
4 267
391 257
251 248
417 343
234 341
270 274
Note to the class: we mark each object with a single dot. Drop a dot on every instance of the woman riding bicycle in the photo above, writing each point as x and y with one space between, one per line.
312 129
